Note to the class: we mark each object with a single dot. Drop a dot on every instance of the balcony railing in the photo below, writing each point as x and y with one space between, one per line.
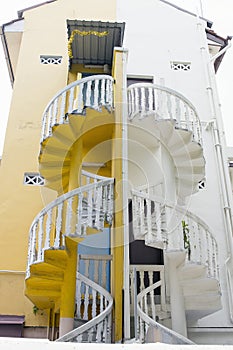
172 228
146 99
92 92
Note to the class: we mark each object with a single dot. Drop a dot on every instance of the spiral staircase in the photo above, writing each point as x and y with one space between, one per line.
78 109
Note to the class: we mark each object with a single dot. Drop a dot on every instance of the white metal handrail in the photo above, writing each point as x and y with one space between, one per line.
98 329
145 321
93 92
87 178
160 223
164 104
70 215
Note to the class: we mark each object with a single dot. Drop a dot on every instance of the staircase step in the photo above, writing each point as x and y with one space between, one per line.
199 286
56 257
192 271
206 301
46 271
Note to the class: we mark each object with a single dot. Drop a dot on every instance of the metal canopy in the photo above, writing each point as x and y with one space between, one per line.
92 42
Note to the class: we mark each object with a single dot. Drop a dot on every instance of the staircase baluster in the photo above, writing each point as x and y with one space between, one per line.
109 328
49 121
208 254
169 106
79 216
99 332
152 296
143 101
71 100
110 93
33 244
94 310
58 226
54 113
158 218
97 208
137 101
88 93
102 92
40 238
164 225
150 99
62 108
86 302
89 207
48 229
214 263
96 94
141 276
178 111
69 215
187 117
200 246
80 98
96 271
78 298
148 220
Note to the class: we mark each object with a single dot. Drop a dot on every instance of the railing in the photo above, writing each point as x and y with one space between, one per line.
92 92
96 268
164 104
172 228
140 276
92 301
87 178
147 324
70 214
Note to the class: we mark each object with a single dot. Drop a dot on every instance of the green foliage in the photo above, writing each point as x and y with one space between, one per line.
187 246
35 309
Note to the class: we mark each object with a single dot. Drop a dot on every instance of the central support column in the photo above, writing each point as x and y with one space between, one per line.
68 290
67 307
178 317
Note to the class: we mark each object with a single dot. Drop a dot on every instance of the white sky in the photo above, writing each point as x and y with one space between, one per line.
220 12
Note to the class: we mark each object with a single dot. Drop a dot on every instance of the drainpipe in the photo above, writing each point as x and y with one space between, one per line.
216 125
125 198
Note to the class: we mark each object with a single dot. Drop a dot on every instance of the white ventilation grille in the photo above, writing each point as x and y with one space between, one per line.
50 59
201 185
33 179
184 66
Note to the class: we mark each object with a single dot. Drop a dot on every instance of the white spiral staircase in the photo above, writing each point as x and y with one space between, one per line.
177 126
183 236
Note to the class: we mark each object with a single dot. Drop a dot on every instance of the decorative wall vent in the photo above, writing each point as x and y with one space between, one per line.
50 59
185 66
201 185
33 179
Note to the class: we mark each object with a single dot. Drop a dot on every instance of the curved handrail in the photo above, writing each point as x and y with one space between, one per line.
70 214
93 92
145 321
101 321
164 104
161 224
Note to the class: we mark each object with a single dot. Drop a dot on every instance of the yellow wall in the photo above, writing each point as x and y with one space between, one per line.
35 84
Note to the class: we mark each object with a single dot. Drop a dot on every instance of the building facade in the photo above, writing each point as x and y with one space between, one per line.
115 189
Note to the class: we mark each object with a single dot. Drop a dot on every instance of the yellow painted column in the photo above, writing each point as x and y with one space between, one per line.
117 234
68 290
67 307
